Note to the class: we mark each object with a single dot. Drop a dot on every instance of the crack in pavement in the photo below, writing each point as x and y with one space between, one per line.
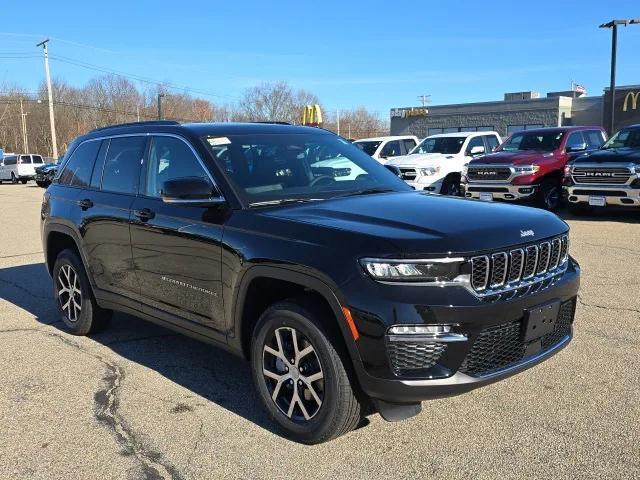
107 402
139 339
21 255
611 247
25 290
603 307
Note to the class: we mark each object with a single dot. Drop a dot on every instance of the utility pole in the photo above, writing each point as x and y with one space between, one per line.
338 120
138 112
52 121
160 95
23 120
424 99
613 25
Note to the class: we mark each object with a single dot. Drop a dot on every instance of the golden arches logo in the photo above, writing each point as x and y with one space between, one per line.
634 96
312 115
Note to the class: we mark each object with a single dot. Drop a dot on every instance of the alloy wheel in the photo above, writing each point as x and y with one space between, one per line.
69 292
552 198
293 374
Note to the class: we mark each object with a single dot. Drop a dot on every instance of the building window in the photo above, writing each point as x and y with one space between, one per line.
450 130
434 131
486 129
467 129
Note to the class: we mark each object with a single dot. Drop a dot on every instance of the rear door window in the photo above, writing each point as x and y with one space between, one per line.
391 149
594 138
409 144
10 160
492 142
77 170
25 159
122 164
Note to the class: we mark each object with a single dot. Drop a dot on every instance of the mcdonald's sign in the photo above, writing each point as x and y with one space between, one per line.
312 115
633 96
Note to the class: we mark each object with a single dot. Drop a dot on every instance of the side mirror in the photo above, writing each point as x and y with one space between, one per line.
195 191
576 148
477 150
393 169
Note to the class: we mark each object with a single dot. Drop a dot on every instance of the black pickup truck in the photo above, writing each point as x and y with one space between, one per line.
608 177
348 291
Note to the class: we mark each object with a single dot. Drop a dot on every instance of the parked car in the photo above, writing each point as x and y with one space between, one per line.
436 164
19 167
529 165
345 296
382 148
606 177
45 173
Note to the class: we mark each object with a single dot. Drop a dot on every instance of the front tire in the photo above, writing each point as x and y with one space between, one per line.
300 375
24 181
549 195
451 187
74 298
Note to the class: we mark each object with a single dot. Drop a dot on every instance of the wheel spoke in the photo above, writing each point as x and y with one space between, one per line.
304 352
294 399
314 377
303 409
294 337
270 374
276 390
273 352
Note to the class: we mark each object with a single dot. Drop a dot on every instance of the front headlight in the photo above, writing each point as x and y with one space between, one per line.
526 169
427 172
427 270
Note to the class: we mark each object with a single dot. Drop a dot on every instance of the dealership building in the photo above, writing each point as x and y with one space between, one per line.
519 111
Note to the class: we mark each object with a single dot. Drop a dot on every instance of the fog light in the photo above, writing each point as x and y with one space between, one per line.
526 190
419 329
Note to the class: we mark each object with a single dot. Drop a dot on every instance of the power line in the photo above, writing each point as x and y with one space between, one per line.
139 78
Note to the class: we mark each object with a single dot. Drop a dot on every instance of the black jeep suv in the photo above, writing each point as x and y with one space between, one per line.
348 291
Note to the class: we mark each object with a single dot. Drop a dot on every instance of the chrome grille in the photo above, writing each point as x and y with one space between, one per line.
480 272
605 175
520 270
498 269
544 255
480 173
408 173
516 265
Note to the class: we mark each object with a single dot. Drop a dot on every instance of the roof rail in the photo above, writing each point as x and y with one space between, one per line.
135 124
272 122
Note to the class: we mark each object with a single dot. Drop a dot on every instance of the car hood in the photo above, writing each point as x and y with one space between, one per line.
418 159
46 168
422 224
515 158
618 155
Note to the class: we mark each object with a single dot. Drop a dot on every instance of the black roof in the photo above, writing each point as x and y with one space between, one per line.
202 129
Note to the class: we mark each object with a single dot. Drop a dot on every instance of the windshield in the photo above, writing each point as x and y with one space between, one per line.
447 145
368 147
537 141
263 168
626 138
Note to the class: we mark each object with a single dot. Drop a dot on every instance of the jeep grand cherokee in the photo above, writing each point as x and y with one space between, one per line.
348 293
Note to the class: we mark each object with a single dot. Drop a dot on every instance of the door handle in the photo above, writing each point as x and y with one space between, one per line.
144 214
85 203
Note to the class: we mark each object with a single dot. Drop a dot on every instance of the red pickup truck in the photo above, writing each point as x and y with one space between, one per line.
529 165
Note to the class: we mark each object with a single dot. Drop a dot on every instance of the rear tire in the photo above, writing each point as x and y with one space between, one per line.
74 298
41 184
24 181
549 195
451 187
316 382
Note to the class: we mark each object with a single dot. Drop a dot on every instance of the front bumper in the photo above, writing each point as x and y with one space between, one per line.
434 187
500 191
614 195
470 317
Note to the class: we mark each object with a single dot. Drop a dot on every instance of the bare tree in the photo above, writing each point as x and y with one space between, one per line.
357 123
274 102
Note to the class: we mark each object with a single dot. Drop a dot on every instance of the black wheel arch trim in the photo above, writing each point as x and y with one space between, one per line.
68 230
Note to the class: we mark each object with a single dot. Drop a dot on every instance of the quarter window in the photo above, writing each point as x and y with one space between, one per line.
25 159
170 158
122 164
37 159
77 170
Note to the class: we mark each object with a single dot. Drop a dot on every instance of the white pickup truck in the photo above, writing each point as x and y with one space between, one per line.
436 163
382 148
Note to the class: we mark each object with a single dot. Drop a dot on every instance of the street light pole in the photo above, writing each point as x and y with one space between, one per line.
160 95
613 25
52 121
23 122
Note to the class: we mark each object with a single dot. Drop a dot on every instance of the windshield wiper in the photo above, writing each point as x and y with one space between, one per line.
367 191
283 201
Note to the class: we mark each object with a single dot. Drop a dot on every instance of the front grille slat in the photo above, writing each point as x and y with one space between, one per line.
502 346
608 175
478 174
526 270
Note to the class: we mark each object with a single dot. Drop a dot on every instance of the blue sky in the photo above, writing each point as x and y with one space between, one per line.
349 53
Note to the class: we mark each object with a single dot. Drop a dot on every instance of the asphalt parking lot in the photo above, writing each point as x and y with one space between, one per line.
138 401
